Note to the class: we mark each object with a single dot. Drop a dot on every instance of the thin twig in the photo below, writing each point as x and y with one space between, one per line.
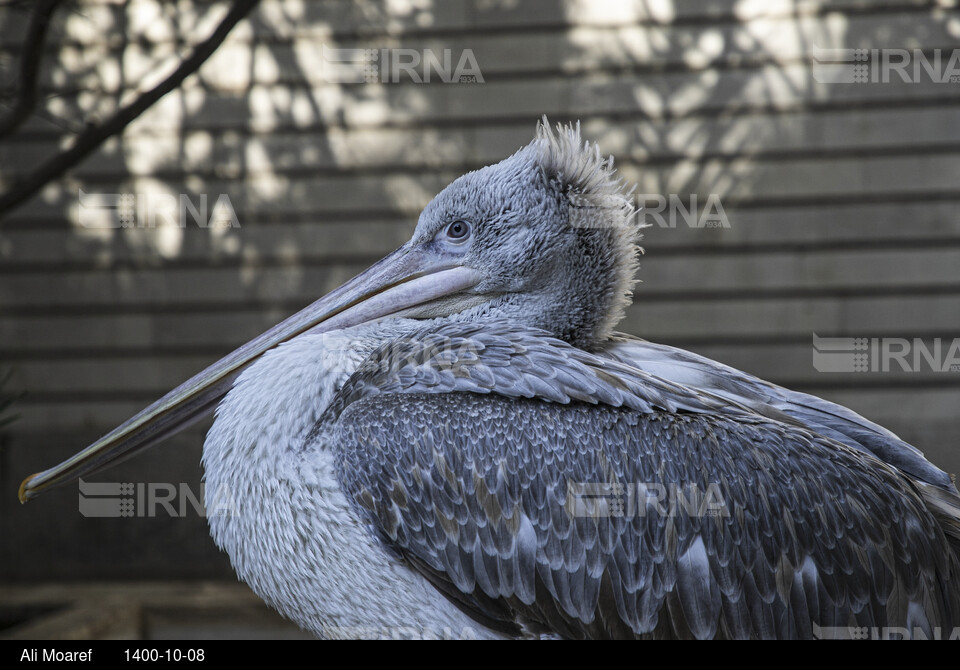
30 59
94 136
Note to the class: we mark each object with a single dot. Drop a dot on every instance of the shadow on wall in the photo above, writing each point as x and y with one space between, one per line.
306 146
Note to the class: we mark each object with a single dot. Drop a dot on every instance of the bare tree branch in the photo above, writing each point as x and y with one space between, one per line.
30 60
94 136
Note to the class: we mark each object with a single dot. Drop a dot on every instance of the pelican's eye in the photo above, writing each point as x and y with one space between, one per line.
458 231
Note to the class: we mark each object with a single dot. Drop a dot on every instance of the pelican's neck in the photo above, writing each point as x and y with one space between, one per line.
278 399
279 512
260 425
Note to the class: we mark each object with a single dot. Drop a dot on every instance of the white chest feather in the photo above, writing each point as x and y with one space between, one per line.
290 532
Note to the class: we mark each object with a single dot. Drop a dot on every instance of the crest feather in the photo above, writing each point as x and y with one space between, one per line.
598 199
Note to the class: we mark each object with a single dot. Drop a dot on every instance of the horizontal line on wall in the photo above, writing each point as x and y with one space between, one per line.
11 266
642 296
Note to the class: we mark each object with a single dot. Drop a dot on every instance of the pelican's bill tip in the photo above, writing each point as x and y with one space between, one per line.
23 494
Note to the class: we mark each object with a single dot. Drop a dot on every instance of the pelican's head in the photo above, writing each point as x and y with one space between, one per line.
545 238
551 233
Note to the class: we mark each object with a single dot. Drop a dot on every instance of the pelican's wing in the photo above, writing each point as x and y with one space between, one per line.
816 414
625 518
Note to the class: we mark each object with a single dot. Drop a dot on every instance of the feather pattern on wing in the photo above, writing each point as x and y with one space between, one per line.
827 418
592 499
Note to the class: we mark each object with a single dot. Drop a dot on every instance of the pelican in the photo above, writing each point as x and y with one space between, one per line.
457 443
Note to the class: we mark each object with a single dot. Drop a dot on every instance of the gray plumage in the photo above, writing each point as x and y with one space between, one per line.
467 473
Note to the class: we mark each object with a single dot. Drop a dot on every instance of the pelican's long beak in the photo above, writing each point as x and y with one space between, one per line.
406 279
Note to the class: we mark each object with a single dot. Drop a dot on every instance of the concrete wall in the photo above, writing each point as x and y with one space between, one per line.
841 200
